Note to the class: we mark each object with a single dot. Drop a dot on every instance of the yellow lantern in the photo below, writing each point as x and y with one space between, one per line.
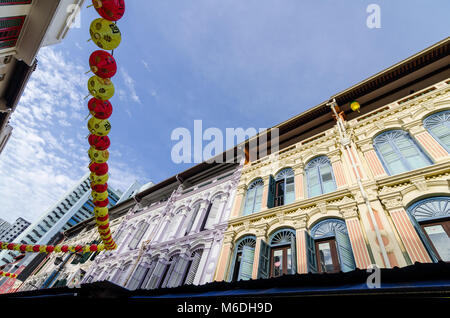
99 196
105 34
99 127
98 179
100 88
98 156
100 211
355 106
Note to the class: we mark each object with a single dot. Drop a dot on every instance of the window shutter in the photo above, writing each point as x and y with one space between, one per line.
168 277
345 252
135 280
178 272
289 195
258 198
156 275
249 199
311 253
192 218
293 254
148 275
264 259
193 268
424 239
271 194
212 214
246 267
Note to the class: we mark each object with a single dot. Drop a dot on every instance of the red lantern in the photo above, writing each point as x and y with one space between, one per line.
103 227
102 218
78 248
50 248
93 248
99 142
99 168
111 10
23 247
101 204
64 248
36 248
101 109
10 246
102 64
100 187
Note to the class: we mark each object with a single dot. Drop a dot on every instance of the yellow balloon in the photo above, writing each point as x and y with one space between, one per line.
99 196
99 211
99 127
98 156
105 34
101 88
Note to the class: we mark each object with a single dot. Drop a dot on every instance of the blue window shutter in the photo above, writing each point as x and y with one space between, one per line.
289 195
271 194
264 259
311 253
294 254
258 198
249 198
246 267
345 252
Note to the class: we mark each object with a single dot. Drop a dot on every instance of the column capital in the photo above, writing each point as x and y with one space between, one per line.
415 127
335 155
300 221
261 230
393 202
350 212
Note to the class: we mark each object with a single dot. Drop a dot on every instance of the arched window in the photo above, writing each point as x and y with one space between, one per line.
173 226
142 228
193 264
438 125
253 197
283 258
242 266
211 214
398 152
284 187
192 216
319 176
431 217
329 248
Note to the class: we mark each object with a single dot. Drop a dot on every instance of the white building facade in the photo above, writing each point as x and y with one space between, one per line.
173 241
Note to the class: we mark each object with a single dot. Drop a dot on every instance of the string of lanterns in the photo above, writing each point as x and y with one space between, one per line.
106 35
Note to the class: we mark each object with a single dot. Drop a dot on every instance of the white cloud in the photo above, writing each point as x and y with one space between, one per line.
47 152
130 84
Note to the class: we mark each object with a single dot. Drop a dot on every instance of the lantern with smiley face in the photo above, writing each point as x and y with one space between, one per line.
105 34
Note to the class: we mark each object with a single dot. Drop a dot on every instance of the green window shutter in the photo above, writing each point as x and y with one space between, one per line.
249 199
271 194
264 260
311 253
345 252
294 254
246 267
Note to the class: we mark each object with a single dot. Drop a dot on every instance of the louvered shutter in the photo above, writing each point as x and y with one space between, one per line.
169 272
424 239
293 255
311 253
178 273
264 259
136 277
271 194
192 218
246 266
345 252
156 275
258 198
148 275
249 199
289 192
212 214
193 268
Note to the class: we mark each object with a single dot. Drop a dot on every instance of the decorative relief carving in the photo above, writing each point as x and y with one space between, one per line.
420 183
393 202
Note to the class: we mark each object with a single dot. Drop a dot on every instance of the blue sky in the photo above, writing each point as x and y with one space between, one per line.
234 63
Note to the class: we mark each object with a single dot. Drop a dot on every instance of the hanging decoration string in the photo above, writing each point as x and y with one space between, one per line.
106 35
